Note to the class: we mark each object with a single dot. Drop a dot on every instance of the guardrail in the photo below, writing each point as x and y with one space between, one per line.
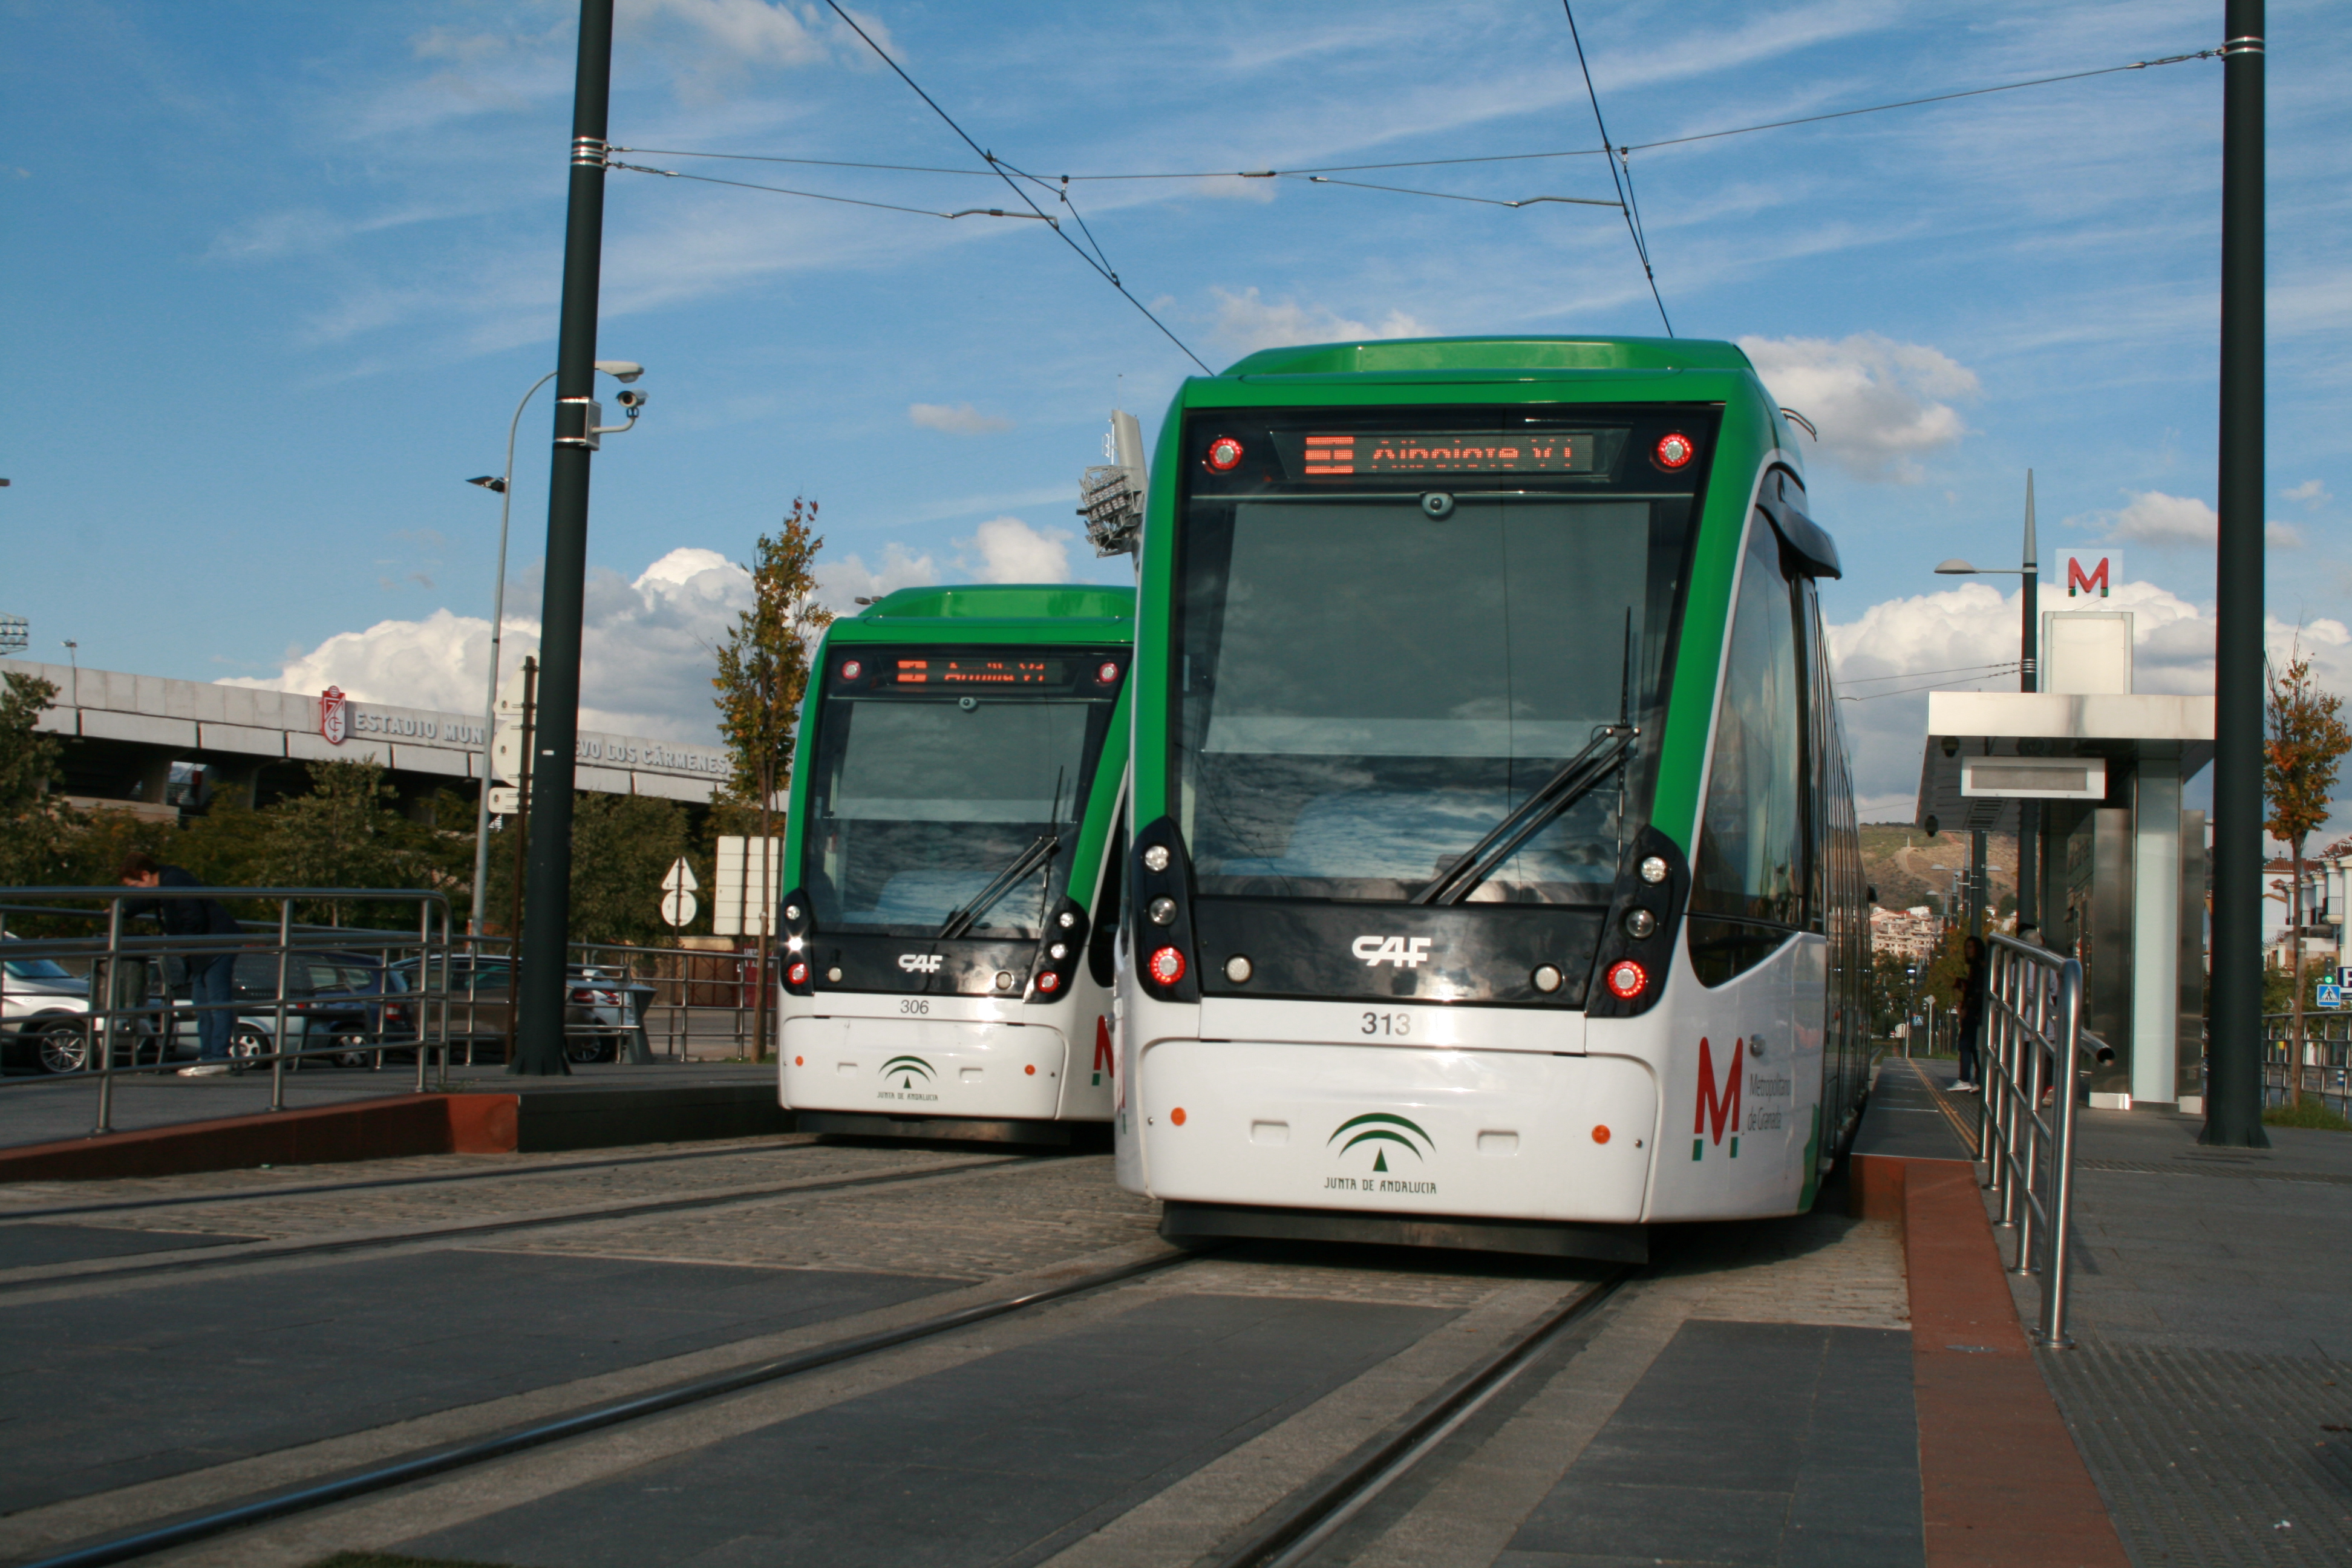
79 992
2034 1040
122 1012
2326 1058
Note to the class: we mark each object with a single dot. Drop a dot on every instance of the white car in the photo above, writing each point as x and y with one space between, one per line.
43 1016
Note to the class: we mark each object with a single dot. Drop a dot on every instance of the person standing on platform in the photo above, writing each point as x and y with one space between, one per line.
212 972
1969 997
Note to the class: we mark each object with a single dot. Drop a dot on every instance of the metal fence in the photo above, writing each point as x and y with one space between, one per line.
87 990
2035 1044
2326 1058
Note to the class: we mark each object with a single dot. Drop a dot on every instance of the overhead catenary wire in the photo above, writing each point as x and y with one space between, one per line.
1102 266
1919 673
819 196
1624 186
1906 690
1453 162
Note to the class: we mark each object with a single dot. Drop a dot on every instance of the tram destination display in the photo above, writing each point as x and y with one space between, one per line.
1315 455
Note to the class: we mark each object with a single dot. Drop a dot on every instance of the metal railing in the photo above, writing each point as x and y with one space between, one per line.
2326 1058
2034 1042
123 1013
428 989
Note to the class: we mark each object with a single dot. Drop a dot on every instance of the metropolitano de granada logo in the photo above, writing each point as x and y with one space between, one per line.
1381 1131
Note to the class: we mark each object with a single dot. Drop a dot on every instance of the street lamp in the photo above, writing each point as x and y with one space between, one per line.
502 485
2029 815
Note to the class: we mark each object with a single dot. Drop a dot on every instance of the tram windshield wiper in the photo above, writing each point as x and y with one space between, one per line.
1024 866
1574 781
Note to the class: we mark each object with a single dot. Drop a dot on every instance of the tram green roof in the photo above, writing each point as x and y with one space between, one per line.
1085 610
1489 355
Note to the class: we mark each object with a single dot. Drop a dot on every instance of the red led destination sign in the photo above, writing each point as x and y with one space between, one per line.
1313 455
981 672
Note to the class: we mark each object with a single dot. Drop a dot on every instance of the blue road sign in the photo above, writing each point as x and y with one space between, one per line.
2331 995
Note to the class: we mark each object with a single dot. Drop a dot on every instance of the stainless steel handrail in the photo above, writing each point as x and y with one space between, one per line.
103 1022
2034 1041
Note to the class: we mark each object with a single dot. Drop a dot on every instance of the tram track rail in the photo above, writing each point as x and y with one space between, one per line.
444 1459
518 1173
1292 1532
186 1261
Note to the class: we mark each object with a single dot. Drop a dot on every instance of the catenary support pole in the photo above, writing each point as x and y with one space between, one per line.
2029 679
547 916
2234 1105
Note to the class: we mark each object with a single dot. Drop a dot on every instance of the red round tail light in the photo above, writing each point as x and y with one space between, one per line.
852 670
1107 674
797 975
1049 982
1674 451
1166 966
1224 455
1627 979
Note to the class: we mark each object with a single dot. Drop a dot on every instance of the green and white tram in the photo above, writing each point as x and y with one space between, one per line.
1495 880
954 879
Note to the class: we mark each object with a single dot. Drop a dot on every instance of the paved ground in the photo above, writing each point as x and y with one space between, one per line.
40 1110
1742 1400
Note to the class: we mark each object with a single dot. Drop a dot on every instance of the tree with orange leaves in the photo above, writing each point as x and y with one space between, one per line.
2305 742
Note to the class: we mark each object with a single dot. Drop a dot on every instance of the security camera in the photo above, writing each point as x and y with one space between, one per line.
630 398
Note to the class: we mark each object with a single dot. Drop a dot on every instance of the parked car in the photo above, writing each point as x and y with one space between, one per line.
343 1008
603 1007
44 1022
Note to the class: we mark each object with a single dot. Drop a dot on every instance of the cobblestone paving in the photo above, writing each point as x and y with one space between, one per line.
1391 1276
973 1226
1821 1268
15 1196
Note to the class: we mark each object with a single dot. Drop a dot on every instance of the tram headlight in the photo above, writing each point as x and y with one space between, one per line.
1155 859
1238 969
1639 923
1654 868
1627 979
1163 910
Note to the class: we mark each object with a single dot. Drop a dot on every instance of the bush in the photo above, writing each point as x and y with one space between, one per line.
2313 1113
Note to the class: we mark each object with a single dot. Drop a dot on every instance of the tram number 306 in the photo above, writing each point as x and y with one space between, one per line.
1388 1024
914 1006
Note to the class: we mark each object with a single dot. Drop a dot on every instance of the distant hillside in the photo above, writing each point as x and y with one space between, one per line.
1901 861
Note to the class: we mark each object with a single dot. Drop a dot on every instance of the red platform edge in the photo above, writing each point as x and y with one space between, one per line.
2001 1482
383 1129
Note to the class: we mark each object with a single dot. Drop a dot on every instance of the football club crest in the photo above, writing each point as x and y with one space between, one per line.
334 715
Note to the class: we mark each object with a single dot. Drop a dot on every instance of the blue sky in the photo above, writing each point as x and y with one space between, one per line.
279 272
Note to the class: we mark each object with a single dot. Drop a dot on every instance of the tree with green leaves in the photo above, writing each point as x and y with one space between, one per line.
2304 745
36 827
764 671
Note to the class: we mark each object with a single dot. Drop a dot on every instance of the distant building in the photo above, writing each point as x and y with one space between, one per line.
1911 933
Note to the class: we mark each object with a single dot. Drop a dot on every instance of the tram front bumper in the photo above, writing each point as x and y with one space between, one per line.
922 1067
1397 1131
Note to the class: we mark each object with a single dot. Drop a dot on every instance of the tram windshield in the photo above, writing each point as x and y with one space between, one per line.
937 775
1364 689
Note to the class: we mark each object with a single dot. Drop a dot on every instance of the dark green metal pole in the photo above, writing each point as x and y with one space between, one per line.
2234 1105
2029 679
547 918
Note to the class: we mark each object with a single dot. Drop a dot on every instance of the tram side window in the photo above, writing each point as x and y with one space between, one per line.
1750 864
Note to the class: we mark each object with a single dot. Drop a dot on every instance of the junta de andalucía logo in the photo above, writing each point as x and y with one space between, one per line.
1382 1131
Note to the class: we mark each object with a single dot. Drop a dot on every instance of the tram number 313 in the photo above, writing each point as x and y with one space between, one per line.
1387 1023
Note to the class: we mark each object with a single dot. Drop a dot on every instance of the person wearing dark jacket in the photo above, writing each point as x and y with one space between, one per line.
212 973
1971 1001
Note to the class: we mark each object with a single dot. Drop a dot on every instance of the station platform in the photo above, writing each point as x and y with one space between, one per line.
1850 1386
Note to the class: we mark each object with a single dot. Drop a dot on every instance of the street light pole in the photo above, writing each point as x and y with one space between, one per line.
547 913
498 626
2029 679
2233 1107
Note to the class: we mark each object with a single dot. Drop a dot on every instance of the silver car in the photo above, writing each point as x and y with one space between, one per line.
43 1014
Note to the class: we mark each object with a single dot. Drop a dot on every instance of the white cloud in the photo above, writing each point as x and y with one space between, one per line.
2311 493
1878 403
956 419
1966 639
842 580
1248 322
1007 550
2152 517
645 664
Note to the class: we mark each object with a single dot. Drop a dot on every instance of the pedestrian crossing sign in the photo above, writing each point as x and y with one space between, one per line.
2331 995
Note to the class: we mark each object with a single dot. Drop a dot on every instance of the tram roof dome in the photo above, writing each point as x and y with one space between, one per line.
1424 354
1005 602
